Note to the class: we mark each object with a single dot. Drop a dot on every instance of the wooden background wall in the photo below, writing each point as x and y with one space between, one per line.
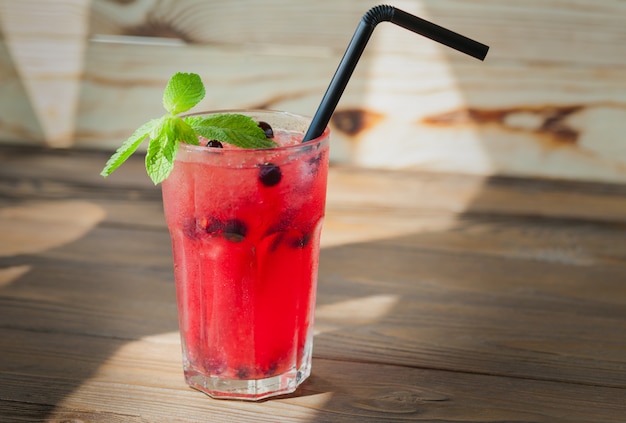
549 101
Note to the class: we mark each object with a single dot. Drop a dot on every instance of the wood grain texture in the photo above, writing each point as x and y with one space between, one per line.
441 297
549 101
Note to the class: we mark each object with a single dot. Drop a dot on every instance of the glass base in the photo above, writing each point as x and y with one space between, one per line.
252 390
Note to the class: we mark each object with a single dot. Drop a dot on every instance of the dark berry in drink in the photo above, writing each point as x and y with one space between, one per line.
190 229
243 372
314 164
269 174
301 241
269 132
214 144
235 230
272 369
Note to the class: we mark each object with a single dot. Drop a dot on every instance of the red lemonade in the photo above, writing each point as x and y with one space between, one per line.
245 228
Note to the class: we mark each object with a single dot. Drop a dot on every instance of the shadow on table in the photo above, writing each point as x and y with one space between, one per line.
68 309
65 313
480 310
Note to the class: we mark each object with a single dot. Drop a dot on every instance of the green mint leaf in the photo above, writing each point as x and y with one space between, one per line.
160 158
238 130
183 91
129 146
163 147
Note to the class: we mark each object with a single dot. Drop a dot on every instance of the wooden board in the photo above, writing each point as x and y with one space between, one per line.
550 101
441 297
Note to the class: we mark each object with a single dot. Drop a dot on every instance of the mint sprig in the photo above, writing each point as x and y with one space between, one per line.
184 91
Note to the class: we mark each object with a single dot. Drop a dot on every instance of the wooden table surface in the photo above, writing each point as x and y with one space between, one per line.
446 298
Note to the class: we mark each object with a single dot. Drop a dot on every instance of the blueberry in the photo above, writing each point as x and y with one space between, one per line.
235 230
214 144
269 132
301 241
276 240
190 229
269 174
271 370
293 239
243 372
283 222
314 164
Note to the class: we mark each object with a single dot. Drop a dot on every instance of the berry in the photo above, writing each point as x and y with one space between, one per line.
190 229
214 144
314 164
270 174
271 370
276 240
235 230
269 132
301 241
243 372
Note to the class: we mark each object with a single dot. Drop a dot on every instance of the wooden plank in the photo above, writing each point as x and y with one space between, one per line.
100 285
19 124
469 308
457 298
357 210
432 117
46 41
235 78
44 174
536 107
462 312
533 29
119 381
552 240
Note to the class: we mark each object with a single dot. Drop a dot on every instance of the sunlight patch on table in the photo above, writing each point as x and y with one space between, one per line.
371 205
39 226
357 311
342 228
10 274
154 360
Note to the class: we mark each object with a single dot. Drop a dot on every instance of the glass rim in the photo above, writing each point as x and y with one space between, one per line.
212 150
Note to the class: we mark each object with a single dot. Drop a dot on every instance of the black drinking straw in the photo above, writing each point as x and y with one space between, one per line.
359 40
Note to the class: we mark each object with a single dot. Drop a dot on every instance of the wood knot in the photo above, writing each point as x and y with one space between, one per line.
401 401
353 121
555 124
548 121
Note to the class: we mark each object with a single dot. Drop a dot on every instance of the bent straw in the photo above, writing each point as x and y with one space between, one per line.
359 40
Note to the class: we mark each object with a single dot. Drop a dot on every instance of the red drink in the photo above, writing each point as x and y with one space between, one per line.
245 228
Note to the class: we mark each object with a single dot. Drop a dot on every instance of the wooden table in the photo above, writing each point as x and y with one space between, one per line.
441 298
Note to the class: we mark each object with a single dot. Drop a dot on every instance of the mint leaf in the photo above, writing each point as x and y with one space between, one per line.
238 130
160 158
183 91
128 147
163 147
